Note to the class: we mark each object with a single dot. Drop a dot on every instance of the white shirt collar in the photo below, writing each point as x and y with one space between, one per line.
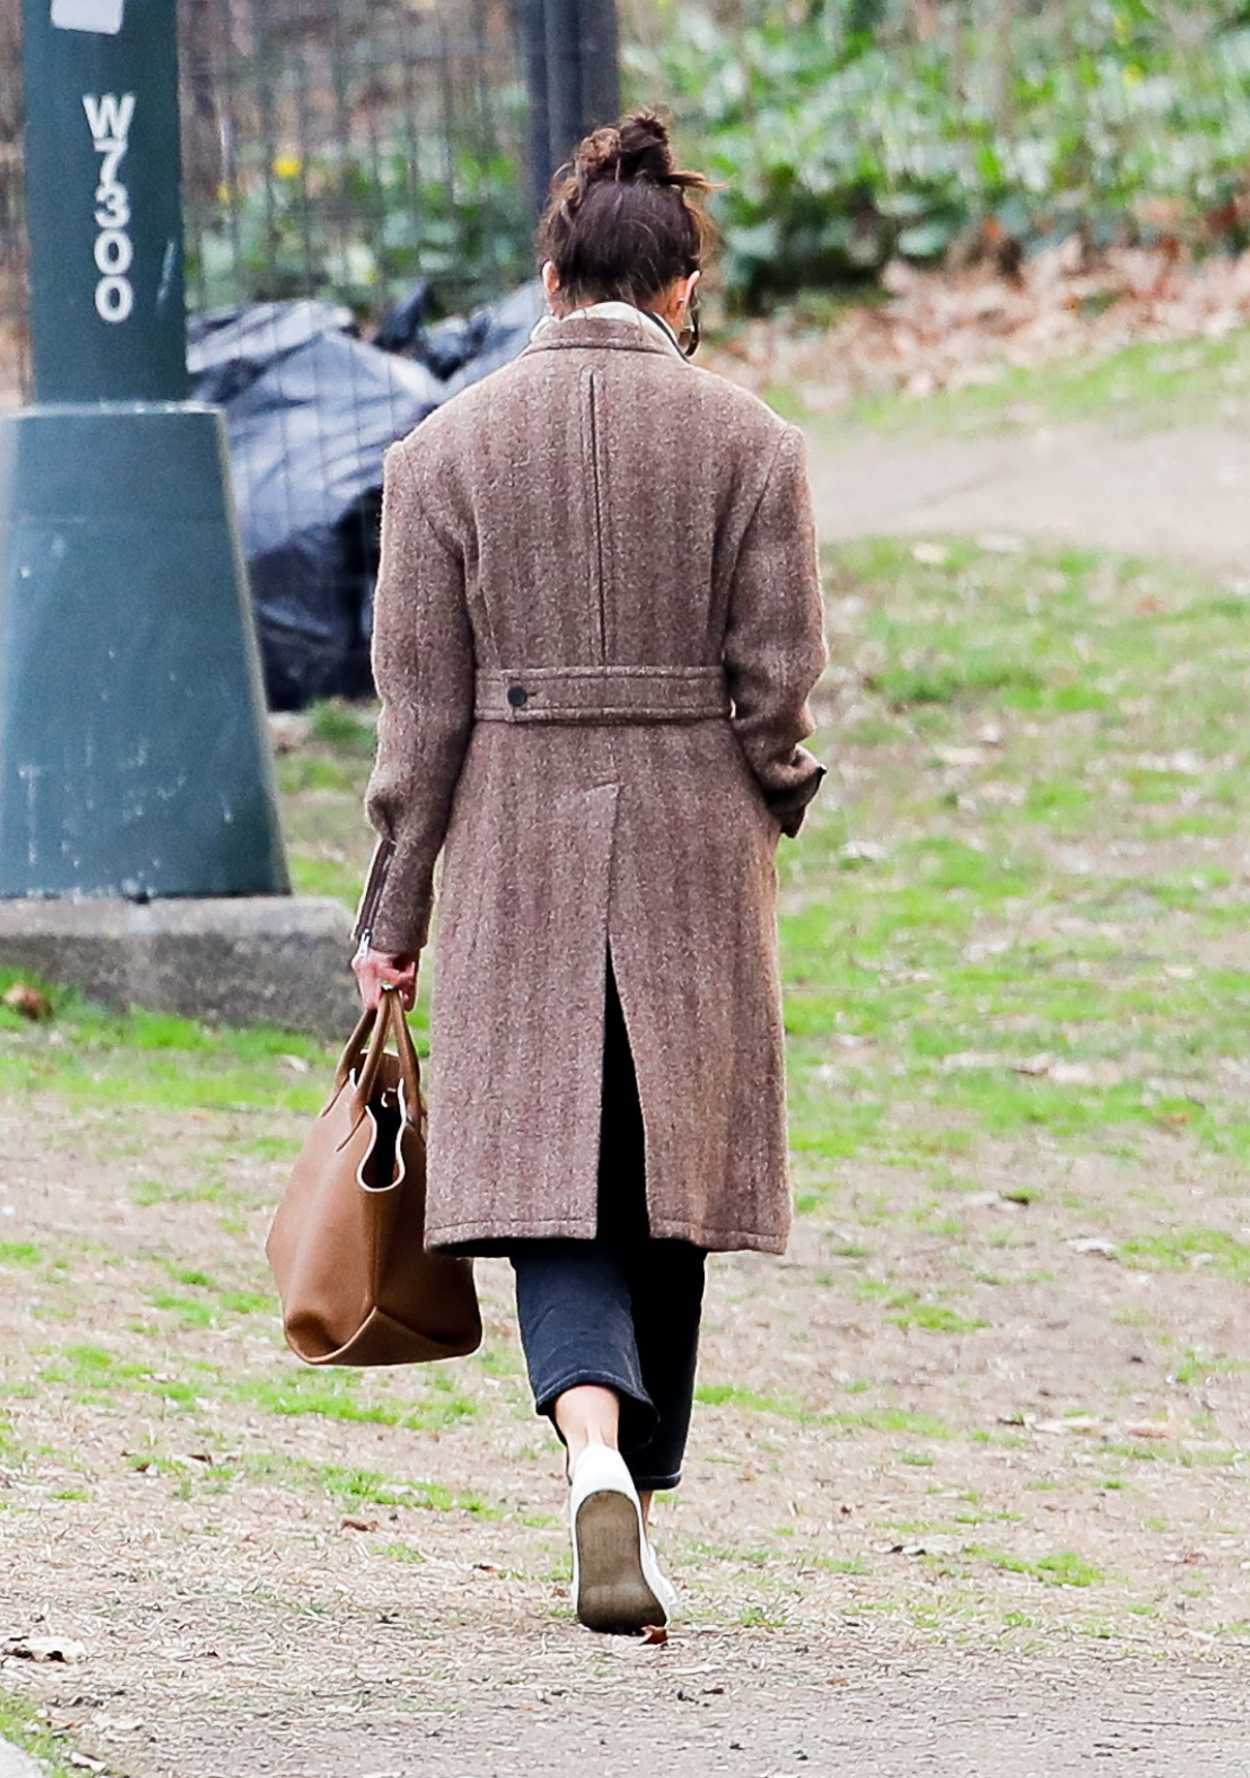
613 310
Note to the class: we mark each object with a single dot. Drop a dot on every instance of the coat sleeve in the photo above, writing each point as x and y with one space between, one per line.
775 648
423 668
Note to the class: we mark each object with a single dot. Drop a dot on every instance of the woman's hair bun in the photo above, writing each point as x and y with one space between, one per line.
635 148
623 221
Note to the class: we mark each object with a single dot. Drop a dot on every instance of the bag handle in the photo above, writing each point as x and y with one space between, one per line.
353 1047
375 1023
409 1066
373 1061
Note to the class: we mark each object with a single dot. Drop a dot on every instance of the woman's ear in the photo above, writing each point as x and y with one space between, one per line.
551 278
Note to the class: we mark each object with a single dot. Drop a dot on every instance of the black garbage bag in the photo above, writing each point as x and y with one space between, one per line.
403 327
310 409
464 348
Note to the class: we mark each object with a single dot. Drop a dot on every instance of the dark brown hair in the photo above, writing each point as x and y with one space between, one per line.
623 222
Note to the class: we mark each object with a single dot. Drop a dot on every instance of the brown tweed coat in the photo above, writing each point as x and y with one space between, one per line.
597 624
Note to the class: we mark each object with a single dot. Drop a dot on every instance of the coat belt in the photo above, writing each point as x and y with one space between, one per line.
601 694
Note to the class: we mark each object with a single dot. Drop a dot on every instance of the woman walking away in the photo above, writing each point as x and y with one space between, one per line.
597 624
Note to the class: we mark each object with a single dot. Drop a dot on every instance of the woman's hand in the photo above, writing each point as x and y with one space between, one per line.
378 969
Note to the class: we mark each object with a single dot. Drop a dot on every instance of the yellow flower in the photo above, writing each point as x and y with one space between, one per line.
286 166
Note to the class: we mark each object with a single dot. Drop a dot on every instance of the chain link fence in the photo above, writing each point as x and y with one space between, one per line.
344 148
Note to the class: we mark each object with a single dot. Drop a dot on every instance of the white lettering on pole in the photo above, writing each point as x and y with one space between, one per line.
103 16
109 118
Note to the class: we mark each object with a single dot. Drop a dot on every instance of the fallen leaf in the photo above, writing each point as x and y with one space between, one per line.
351 1523
1092 1244
28 1001
654 1634
1149 1429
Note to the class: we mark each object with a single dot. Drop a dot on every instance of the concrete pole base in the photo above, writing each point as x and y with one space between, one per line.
16 1764
248 959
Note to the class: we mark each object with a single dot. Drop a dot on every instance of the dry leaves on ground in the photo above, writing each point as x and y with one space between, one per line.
956 328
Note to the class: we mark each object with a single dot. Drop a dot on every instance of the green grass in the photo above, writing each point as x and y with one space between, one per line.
96 1373
21 1725
1020 712
352 1489
21 1253
936 1318
1065 1568
159 1060
400 1552
1178 1248
313 874
848 1420
342 727
334 1397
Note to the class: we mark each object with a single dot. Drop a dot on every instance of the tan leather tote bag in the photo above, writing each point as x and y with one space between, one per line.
346 1243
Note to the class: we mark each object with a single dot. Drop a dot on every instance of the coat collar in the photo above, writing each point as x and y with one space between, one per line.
616 325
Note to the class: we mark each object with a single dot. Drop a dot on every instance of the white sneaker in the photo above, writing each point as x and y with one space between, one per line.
661 1585
617 1582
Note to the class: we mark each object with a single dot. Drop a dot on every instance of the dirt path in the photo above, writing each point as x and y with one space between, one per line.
488 1701
274 1572
1182 493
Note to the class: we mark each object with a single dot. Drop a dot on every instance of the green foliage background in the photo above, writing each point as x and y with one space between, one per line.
842 133
846 131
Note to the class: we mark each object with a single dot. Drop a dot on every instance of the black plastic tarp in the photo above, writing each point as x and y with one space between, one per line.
310 409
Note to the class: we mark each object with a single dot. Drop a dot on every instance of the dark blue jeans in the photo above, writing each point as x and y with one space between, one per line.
622 1310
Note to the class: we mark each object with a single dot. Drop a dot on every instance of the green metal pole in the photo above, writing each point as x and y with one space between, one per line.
103 197
134 757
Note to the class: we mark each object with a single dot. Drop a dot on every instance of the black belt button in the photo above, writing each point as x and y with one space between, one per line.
517 695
